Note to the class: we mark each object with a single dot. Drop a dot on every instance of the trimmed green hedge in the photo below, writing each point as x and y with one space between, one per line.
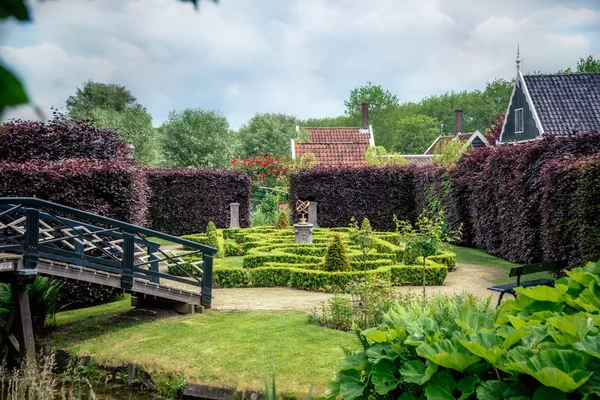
203 239
226 277
446 258
435 274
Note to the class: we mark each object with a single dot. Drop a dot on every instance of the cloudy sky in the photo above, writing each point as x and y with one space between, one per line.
300 57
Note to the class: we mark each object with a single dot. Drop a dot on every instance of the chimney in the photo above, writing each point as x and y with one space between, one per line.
365 115
458 121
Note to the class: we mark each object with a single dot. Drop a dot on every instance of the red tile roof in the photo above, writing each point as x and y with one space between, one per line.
337 135
335 154
418 159
336 146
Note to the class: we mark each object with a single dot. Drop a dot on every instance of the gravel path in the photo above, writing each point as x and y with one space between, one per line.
470 278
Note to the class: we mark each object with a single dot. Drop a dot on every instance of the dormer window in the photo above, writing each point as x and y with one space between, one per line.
519 121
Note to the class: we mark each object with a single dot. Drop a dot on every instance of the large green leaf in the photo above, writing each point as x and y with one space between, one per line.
496 390
383 377
416 371
351 385
474 322
484 345
407 396
333 386
583 276
380 351
441 386
590 345
560 369
353 361
447 354
574 328
544 293
14 8
511 335
375 335
467 386
12 92
589 299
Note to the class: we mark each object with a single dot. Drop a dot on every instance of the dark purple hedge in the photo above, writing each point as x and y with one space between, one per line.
184 201
56 140
346 192
112 189
571 210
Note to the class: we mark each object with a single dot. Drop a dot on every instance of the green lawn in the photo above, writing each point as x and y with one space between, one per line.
216 348
108 310
230 261
466 255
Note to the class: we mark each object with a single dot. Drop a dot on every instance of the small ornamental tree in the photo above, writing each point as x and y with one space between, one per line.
363 238
428 237
213 238
336 258
283 221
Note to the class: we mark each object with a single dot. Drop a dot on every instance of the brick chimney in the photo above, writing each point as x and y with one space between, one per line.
365 115
458 121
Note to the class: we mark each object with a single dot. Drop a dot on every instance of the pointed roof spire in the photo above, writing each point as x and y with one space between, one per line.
518 58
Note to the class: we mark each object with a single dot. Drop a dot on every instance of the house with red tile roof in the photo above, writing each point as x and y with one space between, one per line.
338 146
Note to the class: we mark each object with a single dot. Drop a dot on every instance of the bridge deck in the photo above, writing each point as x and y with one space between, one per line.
141 288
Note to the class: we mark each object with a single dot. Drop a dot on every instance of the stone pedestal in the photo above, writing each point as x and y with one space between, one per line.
312 214
234 221
303 233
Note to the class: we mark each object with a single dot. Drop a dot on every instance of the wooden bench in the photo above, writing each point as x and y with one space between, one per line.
554 267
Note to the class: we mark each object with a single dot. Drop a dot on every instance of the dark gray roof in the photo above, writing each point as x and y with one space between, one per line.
565 103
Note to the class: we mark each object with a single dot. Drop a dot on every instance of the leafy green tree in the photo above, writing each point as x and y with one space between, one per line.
196 138
332 122
267 134
378 98
134 125
589 64
96 95
415 134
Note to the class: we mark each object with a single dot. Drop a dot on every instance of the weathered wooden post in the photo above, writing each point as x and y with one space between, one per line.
234 221
207 279
312 214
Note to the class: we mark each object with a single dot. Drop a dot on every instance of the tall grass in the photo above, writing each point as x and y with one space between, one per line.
35 381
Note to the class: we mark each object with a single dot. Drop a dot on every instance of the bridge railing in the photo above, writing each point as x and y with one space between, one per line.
40 229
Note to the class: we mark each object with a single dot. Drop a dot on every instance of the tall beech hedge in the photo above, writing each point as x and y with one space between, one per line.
111 189
57 140
525 203
346 192
183 201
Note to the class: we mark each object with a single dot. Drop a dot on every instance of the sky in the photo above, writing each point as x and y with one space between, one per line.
300 57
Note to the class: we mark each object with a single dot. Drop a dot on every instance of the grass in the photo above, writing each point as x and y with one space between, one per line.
236 262
162 242
466 255
216 348
122 304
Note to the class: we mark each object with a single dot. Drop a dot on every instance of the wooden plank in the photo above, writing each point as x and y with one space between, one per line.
537 267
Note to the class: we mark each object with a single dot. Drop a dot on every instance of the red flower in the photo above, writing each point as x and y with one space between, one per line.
262 175
234 162
295 166
287 155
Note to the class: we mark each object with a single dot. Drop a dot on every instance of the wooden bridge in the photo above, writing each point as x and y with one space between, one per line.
38 237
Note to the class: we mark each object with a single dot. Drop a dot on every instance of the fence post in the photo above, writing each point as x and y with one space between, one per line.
207 279
127 261
32 238
153 261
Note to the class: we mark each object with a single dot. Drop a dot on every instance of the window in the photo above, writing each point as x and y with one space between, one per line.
519 120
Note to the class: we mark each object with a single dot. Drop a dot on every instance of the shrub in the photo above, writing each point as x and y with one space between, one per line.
58 140
541 345
112 189
224 277
183 201
336 258
282 221
346 192
213 240
43 294
231 249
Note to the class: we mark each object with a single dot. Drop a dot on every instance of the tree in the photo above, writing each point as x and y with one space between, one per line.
336 257
96 95
196 138
267 134
332 122
379 100
134 125
415 134
589 64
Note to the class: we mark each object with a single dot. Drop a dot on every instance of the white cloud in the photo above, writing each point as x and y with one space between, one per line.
299 56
